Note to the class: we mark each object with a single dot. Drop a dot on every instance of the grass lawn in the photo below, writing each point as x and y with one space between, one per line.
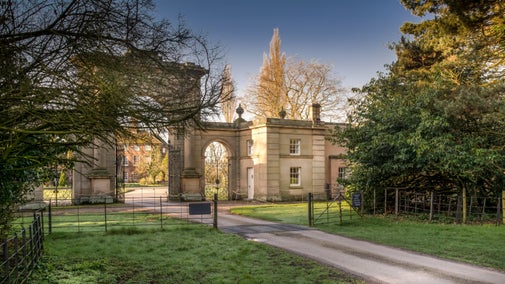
478 244
178 254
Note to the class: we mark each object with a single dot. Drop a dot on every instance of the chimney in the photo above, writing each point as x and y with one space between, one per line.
316 113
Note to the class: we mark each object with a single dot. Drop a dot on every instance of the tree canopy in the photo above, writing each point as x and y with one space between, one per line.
435 120
78 70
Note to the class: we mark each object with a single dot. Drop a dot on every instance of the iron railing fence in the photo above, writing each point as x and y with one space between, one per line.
21 252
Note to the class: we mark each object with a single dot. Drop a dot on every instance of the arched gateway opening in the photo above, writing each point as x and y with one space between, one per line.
217 169
205 161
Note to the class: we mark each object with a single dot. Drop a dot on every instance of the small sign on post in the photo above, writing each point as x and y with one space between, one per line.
202 208
356 199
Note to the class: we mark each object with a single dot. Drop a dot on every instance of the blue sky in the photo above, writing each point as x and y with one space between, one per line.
352 36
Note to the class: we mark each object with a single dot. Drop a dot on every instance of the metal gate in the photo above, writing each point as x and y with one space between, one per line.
174 174
334 211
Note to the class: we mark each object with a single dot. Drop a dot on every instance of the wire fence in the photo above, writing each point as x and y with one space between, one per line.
21 252
438 207
424 206
110 214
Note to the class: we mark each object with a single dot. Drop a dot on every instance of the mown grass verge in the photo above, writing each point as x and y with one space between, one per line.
179 254
477 244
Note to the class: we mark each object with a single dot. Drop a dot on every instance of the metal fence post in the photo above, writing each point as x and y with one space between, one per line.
374 201
105 214
397 201
340 211
25 254
385 201
499 212
362 202
161 212
215 211
503 207
432 198
50 218
5 249
310 209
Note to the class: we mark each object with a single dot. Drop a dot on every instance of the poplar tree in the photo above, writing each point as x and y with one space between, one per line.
228 95
270 92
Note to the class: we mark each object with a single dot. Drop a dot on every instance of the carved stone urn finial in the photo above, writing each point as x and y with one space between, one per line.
282 113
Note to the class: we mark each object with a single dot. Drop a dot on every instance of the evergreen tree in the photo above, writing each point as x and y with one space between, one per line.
435 120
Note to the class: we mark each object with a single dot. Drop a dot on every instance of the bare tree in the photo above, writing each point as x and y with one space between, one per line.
74 71
292 86
308 83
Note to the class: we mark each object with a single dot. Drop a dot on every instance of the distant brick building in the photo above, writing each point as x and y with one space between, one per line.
133 153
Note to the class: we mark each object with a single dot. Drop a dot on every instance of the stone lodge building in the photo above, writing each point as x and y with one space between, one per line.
272 160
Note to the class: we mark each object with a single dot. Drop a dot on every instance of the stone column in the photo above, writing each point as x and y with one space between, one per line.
96 183
190 178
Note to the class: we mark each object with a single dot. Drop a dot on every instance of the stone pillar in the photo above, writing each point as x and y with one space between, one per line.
96 183
188 161
190 177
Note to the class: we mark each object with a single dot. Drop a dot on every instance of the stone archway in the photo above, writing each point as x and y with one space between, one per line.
192 155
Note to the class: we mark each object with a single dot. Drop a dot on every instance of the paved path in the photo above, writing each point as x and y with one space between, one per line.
374 263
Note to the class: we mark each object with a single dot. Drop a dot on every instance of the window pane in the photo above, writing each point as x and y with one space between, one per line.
250 148
341 172
294 146
294 176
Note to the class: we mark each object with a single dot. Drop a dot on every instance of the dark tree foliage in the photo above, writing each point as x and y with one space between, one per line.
436 119
73 71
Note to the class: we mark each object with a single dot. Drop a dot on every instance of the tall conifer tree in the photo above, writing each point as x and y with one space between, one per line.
271 91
